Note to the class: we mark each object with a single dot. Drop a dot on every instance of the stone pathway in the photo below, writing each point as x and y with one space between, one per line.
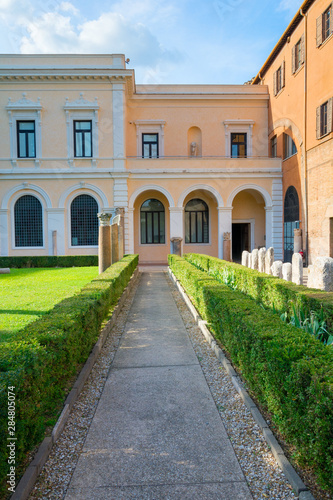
147 425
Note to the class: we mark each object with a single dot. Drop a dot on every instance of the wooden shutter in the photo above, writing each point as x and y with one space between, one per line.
329 115
318 122
283 65
274 83
331 24
302 49
293 57
319 30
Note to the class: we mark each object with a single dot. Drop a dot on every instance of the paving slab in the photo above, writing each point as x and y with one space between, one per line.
156 432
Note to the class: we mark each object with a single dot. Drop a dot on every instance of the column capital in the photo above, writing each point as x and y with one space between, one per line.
104 218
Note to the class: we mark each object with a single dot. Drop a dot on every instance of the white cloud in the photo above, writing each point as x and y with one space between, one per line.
291 6
68 7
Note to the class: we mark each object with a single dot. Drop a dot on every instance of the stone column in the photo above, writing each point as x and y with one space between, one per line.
287 271
269 259
121 212
104 242
261 259
245 258
114 243
226 247
297 265
297 240
54 242
254 259
224 226
322 274
277 268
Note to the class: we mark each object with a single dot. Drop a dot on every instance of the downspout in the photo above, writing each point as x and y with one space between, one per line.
305 139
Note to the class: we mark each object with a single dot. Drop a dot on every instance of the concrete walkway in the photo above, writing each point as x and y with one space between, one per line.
156 433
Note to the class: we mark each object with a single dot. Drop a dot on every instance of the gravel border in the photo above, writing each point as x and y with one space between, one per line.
266 468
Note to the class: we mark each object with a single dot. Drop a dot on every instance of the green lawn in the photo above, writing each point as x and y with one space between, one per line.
26 294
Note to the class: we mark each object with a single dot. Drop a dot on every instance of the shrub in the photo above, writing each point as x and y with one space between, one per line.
44 356
271 292
50 261
289 371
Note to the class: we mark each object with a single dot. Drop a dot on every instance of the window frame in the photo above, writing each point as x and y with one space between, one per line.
323 32
279 79
149 127
297 55
150 144
153 212
239 143
324 119
196 212
288 146
26 139
273 144
76 195
82 134
19 195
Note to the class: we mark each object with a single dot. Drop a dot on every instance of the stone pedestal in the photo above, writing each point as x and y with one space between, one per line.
287 271
321 274
269 259
297 272
297 240
227 246
104 242
176 246
54 242
4 270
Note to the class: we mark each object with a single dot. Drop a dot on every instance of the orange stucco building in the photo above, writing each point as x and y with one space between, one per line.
299 77
193 162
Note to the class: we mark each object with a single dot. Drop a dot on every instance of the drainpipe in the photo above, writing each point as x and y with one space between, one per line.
305 138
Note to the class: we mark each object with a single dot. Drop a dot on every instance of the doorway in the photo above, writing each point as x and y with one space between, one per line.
240 240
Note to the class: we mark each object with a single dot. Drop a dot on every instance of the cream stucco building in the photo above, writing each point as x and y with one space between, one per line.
79 136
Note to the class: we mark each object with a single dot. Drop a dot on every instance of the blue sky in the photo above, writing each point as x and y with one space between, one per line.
183 41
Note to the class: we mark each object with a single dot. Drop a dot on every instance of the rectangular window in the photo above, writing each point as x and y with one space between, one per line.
324 25
26 139
279 79
298 54
82 139
149 145
289 148
274 146
324 119
238 145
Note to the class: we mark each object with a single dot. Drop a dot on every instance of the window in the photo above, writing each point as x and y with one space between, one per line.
26 139
84 221
196 222
289 147
149 145
324 119
28 222
83 138
291 221
279 79
152 222
238 145
274 146
324 26
298 55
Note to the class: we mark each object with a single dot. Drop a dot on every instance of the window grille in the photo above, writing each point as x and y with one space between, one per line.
28 222
196 222
152 222
291 221
84 221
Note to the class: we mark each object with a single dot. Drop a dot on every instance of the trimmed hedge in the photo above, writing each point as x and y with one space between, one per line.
46 354
50 261
289 371
271 292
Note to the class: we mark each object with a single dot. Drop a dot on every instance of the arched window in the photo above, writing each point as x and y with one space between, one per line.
84 221
196 221
152 222
291 221
28 221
